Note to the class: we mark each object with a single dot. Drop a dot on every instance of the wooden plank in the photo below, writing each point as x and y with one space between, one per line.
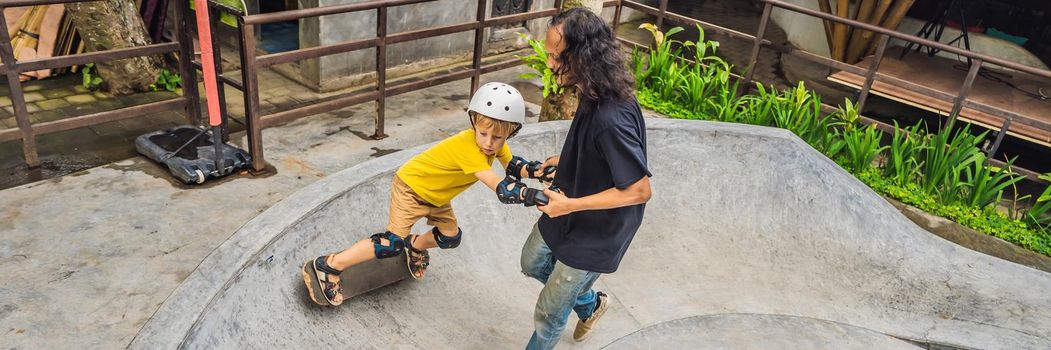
48 35
939 75
14 16
826 7
874 19
897 14
865 14
839 31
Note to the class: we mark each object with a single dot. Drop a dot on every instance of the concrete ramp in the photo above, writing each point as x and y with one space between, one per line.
743 221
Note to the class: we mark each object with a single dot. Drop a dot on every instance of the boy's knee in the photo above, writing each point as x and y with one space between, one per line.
447 242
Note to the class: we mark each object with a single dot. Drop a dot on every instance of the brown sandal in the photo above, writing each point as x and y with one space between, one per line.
417 259
317 275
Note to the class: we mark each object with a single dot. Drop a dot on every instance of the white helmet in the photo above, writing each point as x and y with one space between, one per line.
499 101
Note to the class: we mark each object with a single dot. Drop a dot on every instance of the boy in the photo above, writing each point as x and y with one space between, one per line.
426 184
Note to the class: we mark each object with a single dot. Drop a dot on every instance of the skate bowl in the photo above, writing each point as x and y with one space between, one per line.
752 239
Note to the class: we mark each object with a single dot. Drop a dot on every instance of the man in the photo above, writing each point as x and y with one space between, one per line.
602 180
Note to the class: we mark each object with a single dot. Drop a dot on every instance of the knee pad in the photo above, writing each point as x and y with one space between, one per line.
447 242
395 245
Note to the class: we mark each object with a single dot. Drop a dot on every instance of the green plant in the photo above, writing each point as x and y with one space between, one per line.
943 173
798 111
759 108
985 184
167 81
987 220
538 62
668 80
806 120
702 87
638 67
90 77
1015 211
650 99
664 54
848 114
946 154
705 82
902 159
862 145
1038 214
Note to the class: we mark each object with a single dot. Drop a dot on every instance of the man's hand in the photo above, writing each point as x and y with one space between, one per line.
550 161
557 205
552 164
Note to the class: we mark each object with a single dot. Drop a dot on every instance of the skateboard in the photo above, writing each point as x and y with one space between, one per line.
367 276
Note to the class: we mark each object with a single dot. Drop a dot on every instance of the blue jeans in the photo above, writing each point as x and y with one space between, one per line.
565 289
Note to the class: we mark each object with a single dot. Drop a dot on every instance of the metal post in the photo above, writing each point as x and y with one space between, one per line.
251 95
218 60
18 100
756 46
186 68
871 74
999 138
381 71
957 106
476 61
660 15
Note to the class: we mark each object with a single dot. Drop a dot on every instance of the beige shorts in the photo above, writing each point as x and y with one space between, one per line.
406 207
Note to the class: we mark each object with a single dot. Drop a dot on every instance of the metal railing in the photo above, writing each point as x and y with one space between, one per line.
871 73
28 131
251 63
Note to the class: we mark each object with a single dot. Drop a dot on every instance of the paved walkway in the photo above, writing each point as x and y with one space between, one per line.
78 149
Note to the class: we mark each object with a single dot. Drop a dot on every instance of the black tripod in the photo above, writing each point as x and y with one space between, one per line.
936 26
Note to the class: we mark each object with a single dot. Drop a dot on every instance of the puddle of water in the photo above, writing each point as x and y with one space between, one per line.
145 166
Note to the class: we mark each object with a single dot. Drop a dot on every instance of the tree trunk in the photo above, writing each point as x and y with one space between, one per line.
115 24
559 106
593 5
563 106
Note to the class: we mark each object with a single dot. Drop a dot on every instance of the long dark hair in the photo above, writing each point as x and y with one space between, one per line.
592 58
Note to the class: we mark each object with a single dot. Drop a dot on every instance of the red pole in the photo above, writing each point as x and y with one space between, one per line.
211 91
204 35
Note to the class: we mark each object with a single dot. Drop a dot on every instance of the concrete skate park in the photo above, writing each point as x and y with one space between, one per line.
752 240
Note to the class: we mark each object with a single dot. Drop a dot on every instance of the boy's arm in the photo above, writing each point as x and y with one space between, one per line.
522 172
514 192
489 178
544 171
559 204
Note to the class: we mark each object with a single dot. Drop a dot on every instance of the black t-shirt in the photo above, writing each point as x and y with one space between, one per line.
605 148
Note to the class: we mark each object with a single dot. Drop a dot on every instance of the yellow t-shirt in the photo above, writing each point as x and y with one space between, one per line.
446 169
